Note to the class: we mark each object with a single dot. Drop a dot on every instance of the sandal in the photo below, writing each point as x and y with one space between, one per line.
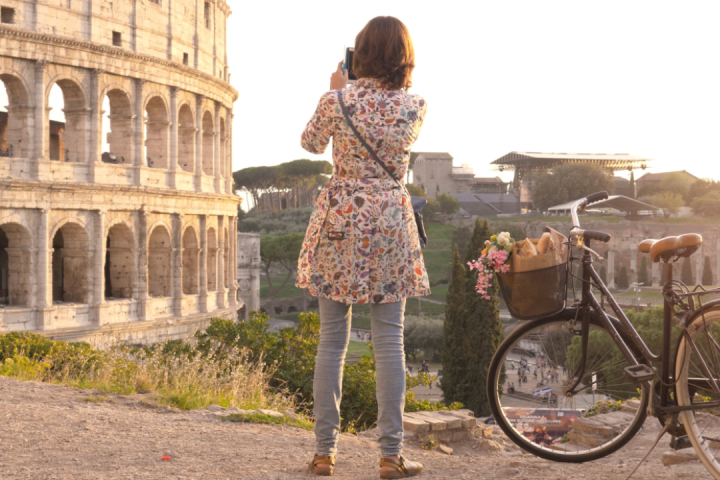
401 468
322 465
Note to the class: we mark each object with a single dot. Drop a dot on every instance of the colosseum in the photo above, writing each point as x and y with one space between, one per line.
117 215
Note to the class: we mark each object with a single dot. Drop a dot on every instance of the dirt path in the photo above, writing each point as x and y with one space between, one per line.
53 432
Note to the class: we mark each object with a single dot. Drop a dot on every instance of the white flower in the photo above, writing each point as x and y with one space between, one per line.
503 239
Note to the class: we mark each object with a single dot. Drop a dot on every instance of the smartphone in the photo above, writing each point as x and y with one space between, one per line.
349 53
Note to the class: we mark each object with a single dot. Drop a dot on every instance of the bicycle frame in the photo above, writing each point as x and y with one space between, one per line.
662 403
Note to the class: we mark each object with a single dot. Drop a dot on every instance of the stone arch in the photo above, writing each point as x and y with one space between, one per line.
15 124
68 139
224 167
208 148
119 137
190 262
157 126
70 262
186 138
119 262
212 259
15 283
159 261
227 270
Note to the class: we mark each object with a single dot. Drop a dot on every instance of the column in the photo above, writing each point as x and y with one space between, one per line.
173 153
45 318
95 130
41 137
222 273
699 263
203 300
218 164
632 274
176 278
140 291
655 273
99 307
611 269
228 152
139 131
232 268
198 143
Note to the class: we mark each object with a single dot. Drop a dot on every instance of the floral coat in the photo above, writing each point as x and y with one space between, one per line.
362 243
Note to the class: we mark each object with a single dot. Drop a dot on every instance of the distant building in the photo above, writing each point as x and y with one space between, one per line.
435 173
488 204
654 179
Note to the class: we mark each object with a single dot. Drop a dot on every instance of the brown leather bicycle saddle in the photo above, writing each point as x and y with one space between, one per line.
669 247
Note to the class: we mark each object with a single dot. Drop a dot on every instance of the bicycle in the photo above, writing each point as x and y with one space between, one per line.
595 356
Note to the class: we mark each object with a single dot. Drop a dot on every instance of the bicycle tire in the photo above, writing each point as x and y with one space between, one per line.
499 360
697 425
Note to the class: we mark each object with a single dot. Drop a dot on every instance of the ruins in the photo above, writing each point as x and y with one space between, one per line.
119 221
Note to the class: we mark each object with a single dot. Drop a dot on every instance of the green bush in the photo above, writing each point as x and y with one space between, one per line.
622 281
276 223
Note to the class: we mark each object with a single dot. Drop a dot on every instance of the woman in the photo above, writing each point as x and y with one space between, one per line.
362 243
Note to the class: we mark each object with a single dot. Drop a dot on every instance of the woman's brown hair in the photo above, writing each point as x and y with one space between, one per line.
384 50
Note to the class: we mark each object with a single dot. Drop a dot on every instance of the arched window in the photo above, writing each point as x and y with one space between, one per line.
70 262
190 262
208 152
159 269
212 260
119 263
68 122
117 128
14 265
186 137
156 133
14 119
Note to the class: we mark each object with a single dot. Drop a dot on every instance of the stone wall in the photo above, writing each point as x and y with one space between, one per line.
136 244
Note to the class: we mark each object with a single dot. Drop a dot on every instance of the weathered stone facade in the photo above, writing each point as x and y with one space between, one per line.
248 269
142 248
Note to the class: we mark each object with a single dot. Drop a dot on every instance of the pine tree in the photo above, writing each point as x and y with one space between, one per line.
643 273
622 281
454 341
686 276
631 188
707 274
483 327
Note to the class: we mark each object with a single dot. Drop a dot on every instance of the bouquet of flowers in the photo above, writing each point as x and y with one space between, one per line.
494 258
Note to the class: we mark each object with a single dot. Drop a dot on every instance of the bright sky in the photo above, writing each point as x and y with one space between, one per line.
636 77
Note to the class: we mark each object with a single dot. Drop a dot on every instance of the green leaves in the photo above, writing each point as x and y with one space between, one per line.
568 182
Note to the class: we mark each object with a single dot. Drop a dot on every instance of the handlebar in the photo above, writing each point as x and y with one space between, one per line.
577 208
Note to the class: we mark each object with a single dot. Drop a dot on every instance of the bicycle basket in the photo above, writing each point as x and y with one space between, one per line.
535 294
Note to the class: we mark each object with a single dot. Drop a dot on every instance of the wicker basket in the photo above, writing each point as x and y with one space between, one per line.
535 294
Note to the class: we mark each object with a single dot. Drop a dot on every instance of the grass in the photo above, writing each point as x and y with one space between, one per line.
358 348
268 420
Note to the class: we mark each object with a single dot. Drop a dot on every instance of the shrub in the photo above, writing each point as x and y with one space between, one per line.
622 281
686 275
448 204
643 273
707 274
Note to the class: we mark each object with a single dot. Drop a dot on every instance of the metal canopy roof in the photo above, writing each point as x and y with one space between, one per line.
538 161
618 202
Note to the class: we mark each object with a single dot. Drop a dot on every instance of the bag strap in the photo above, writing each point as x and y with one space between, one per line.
362 140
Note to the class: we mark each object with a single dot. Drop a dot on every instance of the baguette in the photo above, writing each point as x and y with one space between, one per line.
526 248
545 244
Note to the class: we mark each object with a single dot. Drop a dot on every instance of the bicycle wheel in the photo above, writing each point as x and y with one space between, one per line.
702 426
541 417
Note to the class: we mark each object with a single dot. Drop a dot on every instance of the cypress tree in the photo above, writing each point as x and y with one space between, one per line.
687 275
707 274
603 274
483 327
622 281
643 272
454 341
631 187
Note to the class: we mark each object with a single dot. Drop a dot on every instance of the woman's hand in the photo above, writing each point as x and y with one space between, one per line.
339 78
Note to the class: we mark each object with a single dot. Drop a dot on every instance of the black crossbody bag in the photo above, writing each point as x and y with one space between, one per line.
417 202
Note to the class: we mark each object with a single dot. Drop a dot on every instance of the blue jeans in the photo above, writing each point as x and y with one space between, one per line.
387 337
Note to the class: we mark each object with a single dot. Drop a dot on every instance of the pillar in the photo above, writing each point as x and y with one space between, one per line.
176 277
232 268
228 153
140 292
45 318
222 274
139 131
198 143
632 274
203 290
655 273
611 269
41 137
218 164
95 130
99 307
174 124
699 262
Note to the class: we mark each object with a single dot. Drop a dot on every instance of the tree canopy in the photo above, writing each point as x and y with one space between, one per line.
448 204
569 182
280 251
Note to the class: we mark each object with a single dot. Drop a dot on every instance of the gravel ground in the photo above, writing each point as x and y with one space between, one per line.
54 432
